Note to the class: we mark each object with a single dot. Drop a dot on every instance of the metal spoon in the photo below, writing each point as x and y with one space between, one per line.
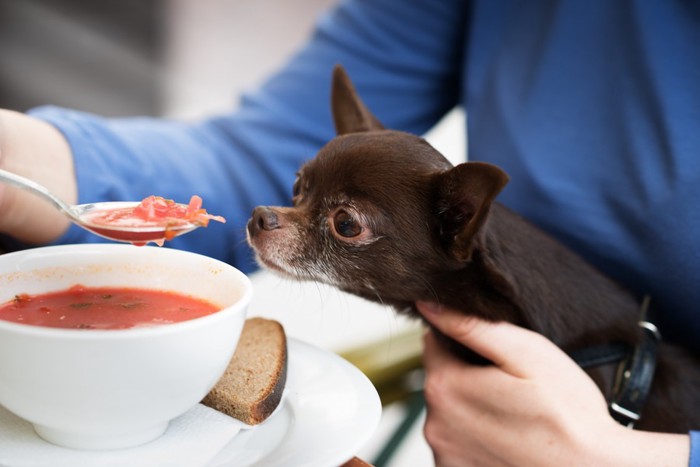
80 214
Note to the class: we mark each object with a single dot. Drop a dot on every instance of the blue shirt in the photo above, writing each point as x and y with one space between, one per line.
593 108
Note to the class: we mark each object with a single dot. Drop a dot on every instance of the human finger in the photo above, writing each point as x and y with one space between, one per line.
516 350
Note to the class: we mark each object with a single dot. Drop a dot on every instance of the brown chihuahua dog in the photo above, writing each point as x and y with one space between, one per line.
381 214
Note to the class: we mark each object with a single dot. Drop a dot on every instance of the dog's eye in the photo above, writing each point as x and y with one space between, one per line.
345 225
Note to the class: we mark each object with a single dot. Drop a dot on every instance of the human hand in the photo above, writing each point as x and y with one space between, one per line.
3 139
534 406
36 150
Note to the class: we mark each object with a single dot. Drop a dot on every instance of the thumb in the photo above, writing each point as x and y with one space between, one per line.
508 346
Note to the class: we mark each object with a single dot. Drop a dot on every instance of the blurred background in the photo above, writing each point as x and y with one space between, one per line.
184 59
175 58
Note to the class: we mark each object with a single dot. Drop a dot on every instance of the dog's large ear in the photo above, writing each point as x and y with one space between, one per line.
465 194
349 112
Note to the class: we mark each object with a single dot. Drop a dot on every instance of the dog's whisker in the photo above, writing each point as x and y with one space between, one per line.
377 294
431 289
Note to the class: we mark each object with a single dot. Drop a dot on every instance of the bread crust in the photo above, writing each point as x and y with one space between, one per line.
251 387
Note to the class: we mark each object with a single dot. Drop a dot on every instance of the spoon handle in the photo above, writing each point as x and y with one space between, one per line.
33 187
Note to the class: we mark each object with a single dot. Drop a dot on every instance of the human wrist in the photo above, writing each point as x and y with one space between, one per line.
622 446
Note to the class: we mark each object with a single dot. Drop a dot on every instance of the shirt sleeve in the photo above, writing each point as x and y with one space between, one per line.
694 460
402 56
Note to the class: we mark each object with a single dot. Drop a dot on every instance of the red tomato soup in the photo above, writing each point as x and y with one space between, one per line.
81 307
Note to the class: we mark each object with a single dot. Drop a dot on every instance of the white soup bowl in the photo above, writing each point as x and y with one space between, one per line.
109 389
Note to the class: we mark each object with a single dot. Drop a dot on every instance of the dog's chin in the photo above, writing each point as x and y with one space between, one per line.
273 266
282 270
270 261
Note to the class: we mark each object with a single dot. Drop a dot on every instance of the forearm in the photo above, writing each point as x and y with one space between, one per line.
36 150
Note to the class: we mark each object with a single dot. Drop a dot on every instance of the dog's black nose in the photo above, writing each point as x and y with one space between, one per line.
263 218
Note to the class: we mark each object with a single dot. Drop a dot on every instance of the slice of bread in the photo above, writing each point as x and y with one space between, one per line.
251 388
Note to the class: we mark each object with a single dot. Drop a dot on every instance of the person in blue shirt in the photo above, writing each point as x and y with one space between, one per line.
593 109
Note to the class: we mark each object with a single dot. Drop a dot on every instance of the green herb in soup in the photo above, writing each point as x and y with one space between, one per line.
81 307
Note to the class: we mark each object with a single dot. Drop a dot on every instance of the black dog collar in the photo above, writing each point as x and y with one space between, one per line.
598 355
634 377
635 371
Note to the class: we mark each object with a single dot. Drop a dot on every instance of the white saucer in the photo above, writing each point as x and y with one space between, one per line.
330 410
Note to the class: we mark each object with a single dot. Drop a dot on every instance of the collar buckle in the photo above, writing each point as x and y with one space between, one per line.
635 374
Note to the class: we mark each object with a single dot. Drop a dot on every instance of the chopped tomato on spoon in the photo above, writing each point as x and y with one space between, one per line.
160 210
156 212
